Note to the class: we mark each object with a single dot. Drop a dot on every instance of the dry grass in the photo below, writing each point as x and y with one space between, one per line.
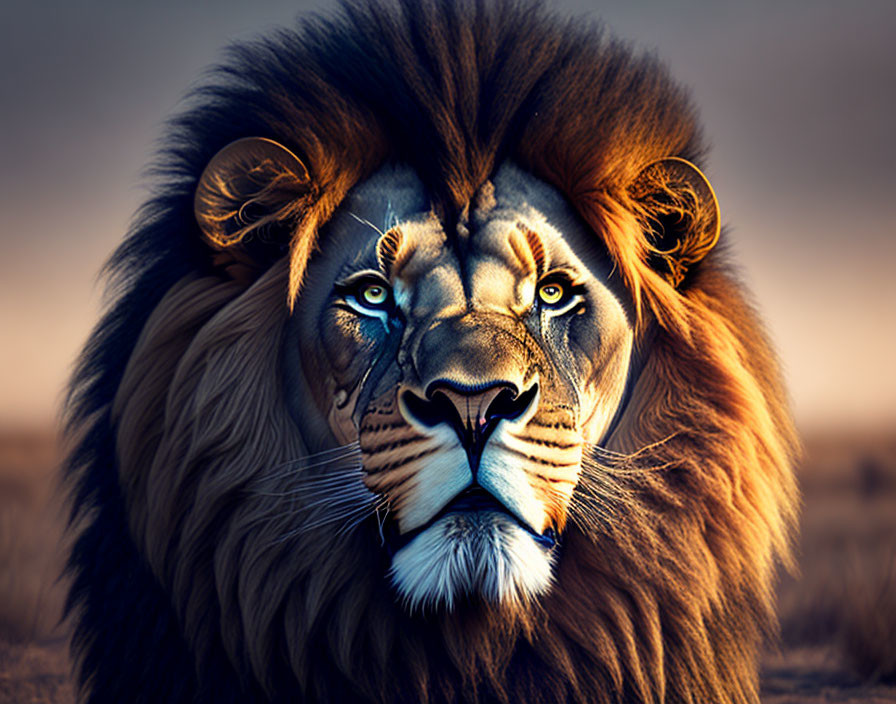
867 636
838 619
34 664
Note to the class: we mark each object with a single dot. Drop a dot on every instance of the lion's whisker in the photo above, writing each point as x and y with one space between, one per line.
604 496
594 450
318 523
350 447
334 494
600 460
298 467
366 222
343 498
316 460
350 480
378 504
381 519
352 518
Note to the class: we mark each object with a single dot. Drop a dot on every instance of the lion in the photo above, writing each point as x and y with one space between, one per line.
427 378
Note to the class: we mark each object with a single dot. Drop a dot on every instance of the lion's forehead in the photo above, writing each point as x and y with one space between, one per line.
489 266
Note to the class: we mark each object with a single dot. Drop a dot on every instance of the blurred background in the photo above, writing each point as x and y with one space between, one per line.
798 98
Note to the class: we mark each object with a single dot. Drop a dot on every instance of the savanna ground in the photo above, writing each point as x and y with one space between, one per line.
838 618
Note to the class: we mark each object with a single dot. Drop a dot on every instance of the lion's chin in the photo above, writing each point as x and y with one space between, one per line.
483 554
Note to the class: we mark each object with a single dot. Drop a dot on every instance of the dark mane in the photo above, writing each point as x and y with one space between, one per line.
452 88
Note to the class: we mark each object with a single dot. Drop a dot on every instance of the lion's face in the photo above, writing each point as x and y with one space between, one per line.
471 366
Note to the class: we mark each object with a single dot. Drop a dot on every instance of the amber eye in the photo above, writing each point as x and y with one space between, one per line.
373 294
551 292
367 293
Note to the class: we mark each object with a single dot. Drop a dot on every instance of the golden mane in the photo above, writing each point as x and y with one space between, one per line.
185 425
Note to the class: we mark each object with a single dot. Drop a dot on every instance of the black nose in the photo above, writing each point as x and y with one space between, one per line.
473 413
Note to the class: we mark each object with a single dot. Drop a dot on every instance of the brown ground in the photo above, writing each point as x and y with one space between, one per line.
34 664
838 620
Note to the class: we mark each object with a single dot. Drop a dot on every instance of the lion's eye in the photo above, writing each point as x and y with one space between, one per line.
368 294
557 293
551 293
374 295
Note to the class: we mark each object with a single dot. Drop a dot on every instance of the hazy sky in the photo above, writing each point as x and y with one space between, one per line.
798 99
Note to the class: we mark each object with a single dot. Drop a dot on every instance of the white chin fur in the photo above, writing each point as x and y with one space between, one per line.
484 553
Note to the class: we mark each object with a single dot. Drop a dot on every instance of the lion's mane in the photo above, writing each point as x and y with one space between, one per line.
183 591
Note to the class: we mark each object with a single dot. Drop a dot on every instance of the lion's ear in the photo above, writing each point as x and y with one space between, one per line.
250 190
680 214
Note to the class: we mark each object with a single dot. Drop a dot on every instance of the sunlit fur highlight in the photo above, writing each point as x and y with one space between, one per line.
663 589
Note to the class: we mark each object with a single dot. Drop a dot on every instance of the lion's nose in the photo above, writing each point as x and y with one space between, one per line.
473 413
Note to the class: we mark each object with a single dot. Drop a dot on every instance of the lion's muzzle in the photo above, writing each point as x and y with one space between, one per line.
473 413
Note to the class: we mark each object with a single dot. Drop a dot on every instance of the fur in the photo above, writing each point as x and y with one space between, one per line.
176 400
425 572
